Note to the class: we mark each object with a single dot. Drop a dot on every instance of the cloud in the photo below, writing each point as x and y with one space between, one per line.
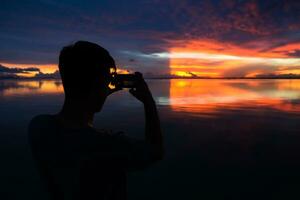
29 72
42 75
271 75
294 53
35 31
249 70
15 70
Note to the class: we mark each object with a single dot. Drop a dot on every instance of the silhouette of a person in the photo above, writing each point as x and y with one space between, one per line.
76 160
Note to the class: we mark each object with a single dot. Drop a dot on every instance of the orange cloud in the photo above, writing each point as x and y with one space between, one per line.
48 68
45 68
288 49
216 59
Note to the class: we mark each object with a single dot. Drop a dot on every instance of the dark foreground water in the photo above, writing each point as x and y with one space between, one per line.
225 139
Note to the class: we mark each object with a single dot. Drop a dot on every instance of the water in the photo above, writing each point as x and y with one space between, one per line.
224 139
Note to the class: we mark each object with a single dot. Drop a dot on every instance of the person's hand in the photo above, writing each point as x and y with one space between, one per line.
141 91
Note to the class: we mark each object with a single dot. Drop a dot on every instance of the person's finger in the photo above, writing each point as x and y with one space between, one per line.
132 91
139 76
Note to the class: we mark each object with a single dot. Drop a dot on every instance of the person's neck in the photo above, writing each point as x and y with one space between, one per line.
75 115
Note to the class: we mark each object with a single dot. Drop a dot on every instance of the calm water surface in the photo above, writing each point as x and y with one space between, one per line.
224 139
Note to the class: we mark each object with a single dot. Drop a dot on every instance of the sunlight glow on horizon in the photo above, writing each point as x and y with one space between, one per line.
178 60
224 57
213 59
45 68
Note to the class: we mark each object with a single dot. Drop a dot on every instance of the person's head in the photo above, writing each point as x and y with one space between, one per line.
85 70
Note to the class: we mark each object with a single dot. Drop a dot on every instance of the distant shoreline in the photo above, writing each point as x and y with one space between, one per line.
165 78
227 78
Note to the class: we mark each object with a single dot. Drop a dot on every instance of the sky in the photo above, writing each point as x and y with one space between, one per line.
208 38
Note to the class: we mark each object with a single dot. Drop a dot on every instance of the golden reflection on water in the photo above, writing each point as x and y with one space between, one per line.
200 95
30 87
192 95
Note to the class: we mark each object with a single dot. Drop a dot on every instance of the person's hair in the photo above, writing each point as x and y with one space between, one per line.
80 65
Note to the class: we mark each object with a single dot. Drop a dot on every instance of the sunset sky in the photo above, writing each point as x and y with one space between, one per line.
224 38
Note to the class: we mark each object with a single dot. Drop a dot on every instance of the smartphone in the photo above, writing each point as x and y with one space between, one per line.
125 80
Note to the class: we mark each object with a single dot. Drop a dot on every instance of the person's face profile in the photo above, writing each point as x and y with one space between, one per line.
100 91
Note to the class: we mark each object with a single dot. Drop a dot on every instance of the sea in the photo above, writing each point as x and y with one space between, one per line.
224 138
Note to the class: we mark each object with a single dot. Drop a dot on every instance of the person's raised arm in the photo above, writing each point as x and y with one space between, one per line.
153 133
